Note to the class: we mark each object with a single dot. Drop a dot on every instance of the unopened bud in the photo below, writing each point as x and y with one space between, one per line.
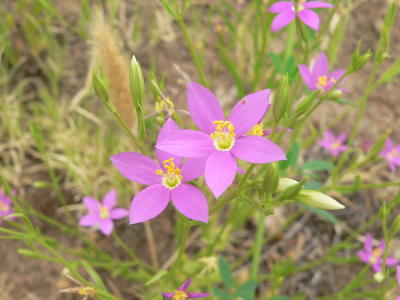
271 178
319 200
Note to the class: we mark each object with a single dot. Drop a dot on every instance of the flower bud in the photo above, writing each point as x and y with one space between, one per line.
271 178
319 200
281 100
289 188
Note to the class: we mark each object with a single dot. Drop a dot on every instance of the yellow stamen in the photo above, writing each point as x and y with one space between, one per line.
257 129
86 291
376 254
323 81
173 175
180 295
392 154
165 105
4 207
336 145
104 212
224 135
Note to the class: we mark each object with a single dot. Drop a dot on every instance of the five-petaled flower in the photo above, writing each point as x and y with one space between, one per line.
391 153
335 145
167 181
102 214
374 257
286 11
6 206
319 78
182 294
221 141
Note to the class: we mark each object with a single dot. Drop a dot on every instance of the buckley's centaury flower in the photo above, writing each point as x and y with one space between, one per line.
167 181
335 145
286 11
391 153
220 142
319 77
182 294
374 257
102 214
6 206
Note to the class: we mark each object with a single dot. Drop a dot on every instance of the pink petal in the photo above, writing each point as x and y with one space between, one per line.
220 171
391 261
185 285
281 6
317 4
167 129
193 168
89 220
204 107
321 66
91 204
197 295
309 18
119 213
187 143
110 198
190 202
257 149
337 74
306 75
377 267
149 203
398 275
168 295
363 256
368 243
106 226
249 111
136 167
342 137
282 20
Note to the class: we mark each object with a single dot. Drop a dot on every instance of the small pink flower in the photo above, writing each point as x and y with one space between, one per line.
287 12
391 153
6 206
221 141
182 294
372 256
333 144
167 179
102 214
319 78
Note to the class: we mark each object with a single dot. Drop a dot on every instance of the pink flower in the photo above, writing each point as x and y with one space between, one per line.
167 180
6 206
102 214
286 13
181 294
372 256
391 153
319 77
220 142
333 144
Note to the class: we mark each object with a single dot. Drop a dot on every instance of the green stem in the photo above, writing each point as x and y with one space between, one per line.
257 249
184 235
192 49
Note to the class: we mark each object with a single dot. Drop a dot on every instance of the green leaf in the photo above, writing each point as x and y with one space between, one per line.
221 294
225 273
157 277
292 156
279 298
246 290
318 165
323 213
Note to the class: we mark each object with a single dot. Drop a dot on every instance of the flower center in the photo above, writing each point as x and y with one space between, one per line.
4 207
376 254
323 81
257 129
172 177
104 212
336 145
300 7
180 295
223 136
86 291
392 154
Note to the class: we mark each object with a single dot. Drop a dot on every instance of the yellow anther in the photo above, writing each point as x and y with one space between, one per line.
224 135
322 82
180 295
165 105
336 145
159 172
86 291
104 212
376 254
257 129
